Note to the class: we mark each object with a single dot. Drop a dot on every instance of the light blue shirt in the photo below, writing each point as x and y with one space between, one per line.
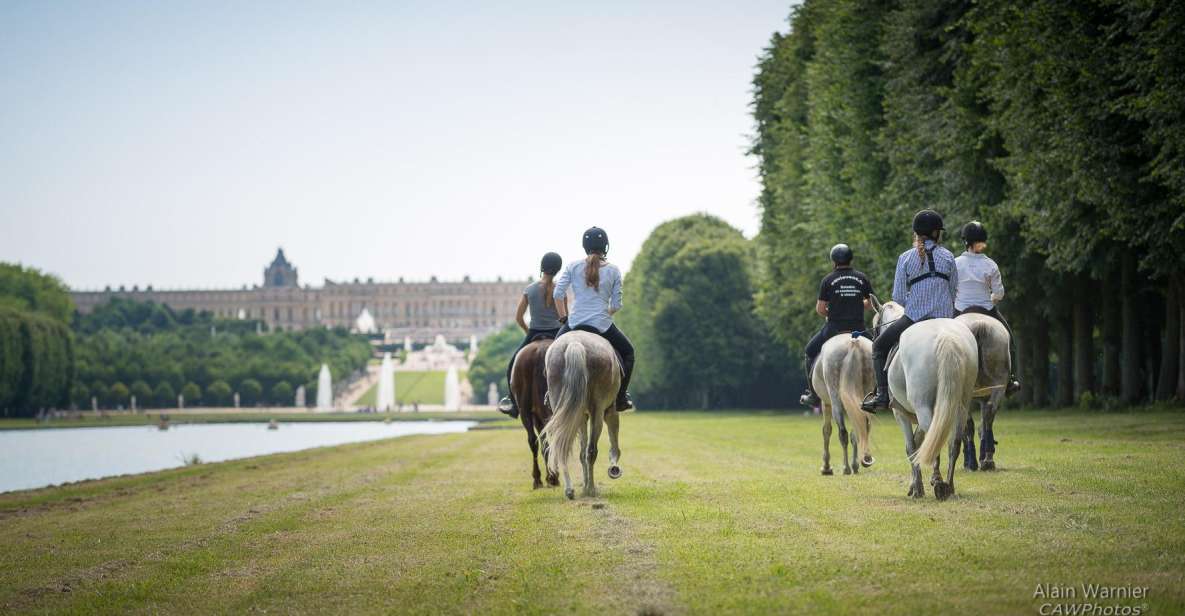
933 297
590 306
980 283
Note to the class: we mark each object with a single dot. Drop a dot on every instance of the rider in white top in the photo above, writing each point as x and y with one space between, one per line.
981 286
596 289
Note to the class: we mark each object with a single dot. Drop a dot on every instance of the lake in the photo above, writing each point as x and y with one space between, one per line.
43 457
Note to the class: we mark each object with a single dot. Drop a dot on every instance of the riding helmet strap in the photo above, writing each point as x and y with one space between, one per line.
933 273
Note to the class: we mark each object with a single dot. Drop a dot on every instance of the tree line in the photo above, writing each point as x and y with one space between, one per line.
1057 124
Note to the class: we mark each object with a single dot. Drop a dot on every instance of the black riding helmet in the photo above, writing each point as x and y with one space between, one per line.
841 254
926 222
551 263
596 240
974 231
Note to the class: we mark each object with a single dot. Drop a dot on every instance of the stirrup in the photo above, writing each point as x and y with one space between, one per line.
809 399
1012 387
506 405
873 401
624 403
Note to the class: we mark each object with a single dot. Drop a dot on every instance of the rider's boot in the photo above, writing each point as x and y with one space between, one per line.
507 405
878 399
624 402
809 398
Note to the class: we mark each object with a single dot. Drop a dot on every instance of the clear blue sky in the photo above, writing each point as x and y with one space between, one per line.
178 144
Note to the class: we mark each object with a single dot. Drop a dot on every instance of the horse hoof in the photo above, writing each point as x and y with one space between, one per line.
916 492
538 484
553 482
988 465
943 490
570 493
847 471
971 465
827 471
867 461
614 471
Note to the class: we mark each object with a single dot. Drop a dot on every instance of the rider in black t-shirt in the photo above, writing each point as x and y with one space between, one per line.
843 298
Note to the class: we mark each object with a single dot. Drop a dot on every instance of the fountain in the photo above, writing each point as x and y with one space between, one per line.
324 389
300 401
492 395
407 344
452 390
472 347
386 393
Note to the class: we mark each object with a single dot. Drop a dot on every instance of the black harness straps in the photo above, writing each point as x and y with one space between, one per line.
933 273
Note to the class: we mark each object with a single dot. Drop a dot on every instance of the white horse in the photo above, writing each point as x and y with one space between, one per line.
583 376
842 373
995 366
931 382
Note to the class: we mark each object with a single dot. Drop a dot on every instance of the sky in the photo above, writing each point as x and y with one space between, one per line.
179 144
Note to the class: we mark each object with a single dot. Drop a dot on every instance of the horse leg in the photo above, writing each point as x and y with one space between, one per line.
915 486
944 490
533 441
582 442
987 444
970 462
612 419
843 438
597 420
826 439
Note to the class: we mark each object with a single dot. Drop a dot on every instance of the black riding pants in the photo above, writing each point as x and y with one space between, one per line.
995 313
884 342
531 333
620 343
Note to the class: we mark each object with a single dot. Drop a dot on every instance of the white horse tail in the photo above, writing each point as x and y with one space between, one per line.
851 392
568 405
952 395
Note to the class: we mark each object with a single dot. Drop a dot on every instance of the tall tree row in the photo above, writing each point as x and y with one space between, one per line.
1058 124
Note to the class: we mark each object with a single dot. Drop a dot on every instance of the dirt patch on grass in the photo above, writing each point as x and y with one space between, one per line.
635 587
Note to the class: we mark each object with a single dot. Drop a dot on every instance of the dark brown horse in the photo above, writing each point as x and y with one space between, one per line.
529 384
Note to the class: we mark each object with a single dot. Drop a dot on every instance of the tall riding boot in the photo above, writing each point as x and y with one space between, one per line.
809 397
880 398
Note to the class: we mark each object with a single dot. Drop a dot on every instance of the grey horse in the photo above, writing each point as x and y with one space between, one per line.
842 373
931 383
583 375
995 365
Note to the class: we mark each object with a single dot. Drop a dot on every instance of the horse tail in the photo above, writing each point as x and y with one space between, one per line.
568 405
949 405
852 389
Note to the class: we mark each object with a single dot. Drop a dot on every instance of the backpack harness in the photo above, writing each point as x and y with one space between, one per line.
933 273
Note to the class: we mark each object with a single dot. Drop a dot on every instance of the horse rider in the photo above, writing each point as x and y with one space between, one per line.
545 319
925 283
843 298
596 291
981 286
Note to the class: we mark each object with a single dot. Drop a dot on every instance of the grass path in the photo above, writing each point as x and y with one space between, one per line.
423 387
716 513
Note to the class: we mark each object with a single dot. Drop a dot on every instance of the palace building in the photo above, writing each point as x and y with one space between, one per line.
416 310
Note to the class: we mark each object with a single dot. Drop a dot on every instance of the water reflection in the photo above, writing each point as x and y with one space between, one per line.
37 458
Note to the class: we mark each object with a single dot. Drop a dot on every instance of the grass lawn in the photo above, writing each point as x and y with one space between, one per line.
716 513
422 387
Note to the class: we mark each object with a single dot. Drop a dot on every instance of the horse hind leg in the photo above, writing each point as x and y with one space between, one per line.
843 438
915 486
596 421
970 462
613 421
987 444
946 489
826 470
552 479
533 441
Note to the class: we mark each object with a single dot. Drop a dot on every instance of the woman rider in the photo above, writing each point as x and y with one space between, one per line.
545 321
981 286
925 283
596 289
843 297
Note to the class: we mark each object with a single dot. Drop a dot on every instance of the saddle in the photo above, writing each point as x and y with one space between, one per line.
542 336
592 330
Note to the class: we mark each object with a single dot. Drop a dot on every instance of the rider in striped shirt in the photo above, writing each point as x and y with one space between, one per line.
925 283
